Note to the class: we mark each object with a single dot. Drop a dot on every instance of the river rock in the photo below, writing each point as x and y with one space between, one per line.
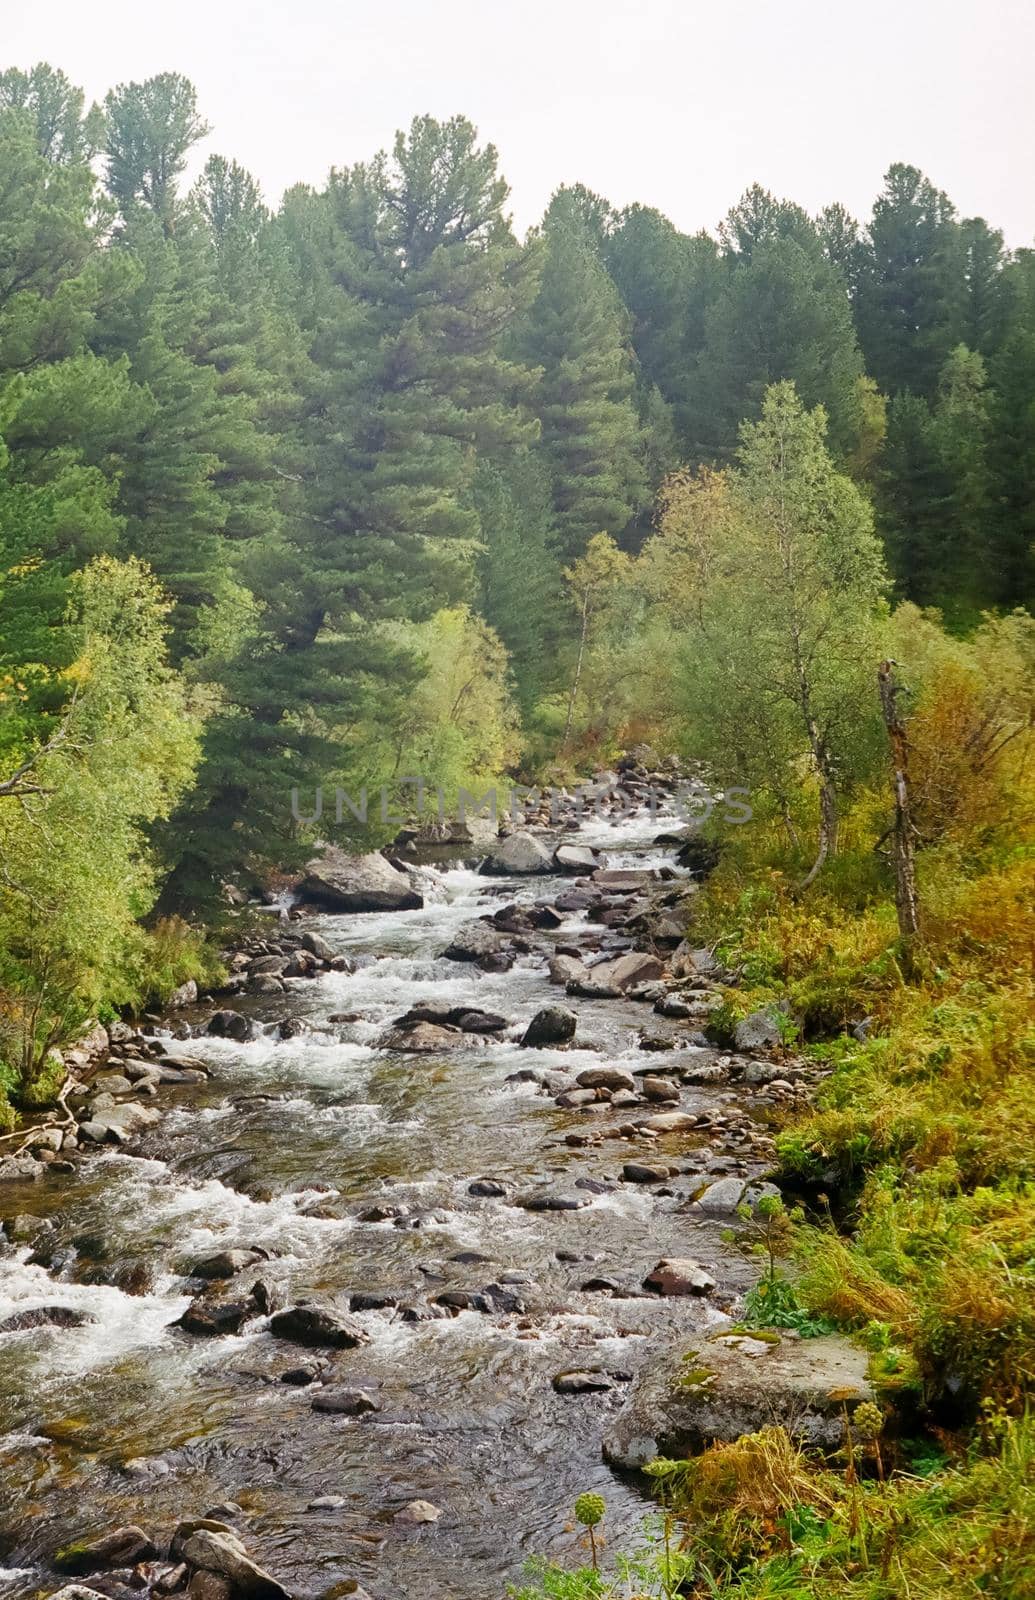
487 1189
226 1264
358 883
219 1550
317 946
679 1275
659 1090
567 969
722 1196
208 1586
20 1169
686 1398
122 1547
418 1511
116 1123
758 1031
644 1172
478 1021
520 854
263 965
553 1200
213 1317
625 972
668 1122
427 1038
231 1025
320 1327
474 941
575 858
551 1025
621 880
346 1402
606 1078
582 1381
46 1317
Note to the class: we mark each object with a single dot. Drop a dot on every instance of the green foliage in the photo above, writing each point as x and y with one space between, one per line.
774 1302
575 335
125 748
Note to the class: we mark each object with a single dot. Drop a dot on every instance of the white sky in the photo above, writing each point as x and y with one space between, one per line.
675 103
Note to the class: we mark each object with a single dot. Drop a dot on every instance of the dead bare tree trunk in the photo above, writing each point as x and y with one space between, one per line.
903 834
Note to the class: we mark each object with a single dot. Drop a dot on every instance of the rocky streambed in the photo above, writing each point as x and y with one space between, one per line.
356 1261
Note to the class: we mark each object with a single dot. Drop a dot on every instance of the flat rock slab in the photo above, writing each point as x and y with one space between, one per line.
621 880
427 1039
346 882
691 1395
553 1200
625 972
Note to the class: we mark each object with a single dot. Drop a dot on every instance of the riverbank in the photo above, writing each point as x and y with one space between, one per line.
477 1217
917 1159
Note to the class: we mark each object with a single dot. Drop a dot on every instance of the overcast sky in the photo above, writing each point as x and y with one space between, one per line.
678 104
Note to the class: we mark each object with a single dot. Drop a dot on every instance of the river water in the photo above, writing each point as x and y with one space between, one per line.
128 1419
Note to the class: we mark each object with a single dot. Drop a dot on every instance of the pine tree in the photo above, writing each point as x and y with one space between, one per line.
1012 441
519 573
576 334
784 315
911 290
151 129
667 282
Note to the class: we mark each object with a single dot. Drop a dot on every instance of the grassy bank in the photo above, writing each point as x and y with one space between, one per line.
916 1169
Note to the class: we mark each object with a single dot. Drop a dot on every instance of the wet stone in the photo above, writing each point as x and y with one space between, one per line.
679 1276
553 1200
593 1381
346 1402
319 1326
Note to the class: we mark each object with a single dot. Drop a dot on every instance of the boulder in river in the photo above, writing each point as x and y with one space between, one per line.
317 946
567 969
20 1169
724 1195
575 858
346 1402
235 1025
209 1546
679 1275
592 1380
687 1397
320 1327
606 1078
213 1317
475 941
553 1200
551 1025
625 972
418 1511
758 1031
116 1123
346 882
46 1317
226 1263
519 854
427 1038
122 1547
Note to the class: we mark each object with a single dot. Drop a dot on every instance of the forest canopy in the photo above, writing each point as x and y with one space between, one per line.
383 484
